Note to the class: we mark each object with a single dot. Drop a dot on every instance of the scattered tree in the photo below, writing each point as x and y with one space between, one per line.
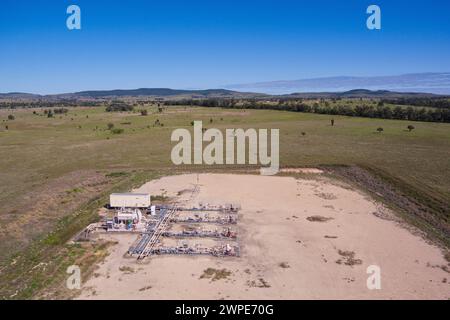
117 131
380 129
117 107
61 111
410 128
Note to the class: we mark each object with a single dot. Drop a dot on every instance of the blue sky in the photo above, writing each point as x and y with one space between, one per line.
208 44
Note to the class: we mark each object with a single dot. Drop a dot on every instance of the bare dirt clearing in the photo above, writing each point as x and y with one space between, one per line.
283 254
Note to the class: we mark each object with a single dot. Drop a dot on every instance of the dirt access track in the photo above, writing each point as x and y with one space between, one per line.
300 239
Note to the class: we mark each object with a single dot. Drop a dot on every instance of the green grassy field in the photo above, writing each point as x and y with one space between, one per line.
44 157
36 147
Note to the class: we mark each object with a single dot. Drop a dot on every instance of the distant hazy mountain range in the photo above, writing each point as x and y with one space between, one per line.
160 92
389 86
415 82
142 92
213 93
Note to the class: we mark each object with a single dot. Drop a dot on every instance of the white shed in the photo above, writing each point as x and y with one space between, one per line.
129 200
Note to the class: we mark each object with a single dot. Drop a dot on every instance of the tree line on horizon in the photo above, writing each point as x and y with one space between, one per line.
381 110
